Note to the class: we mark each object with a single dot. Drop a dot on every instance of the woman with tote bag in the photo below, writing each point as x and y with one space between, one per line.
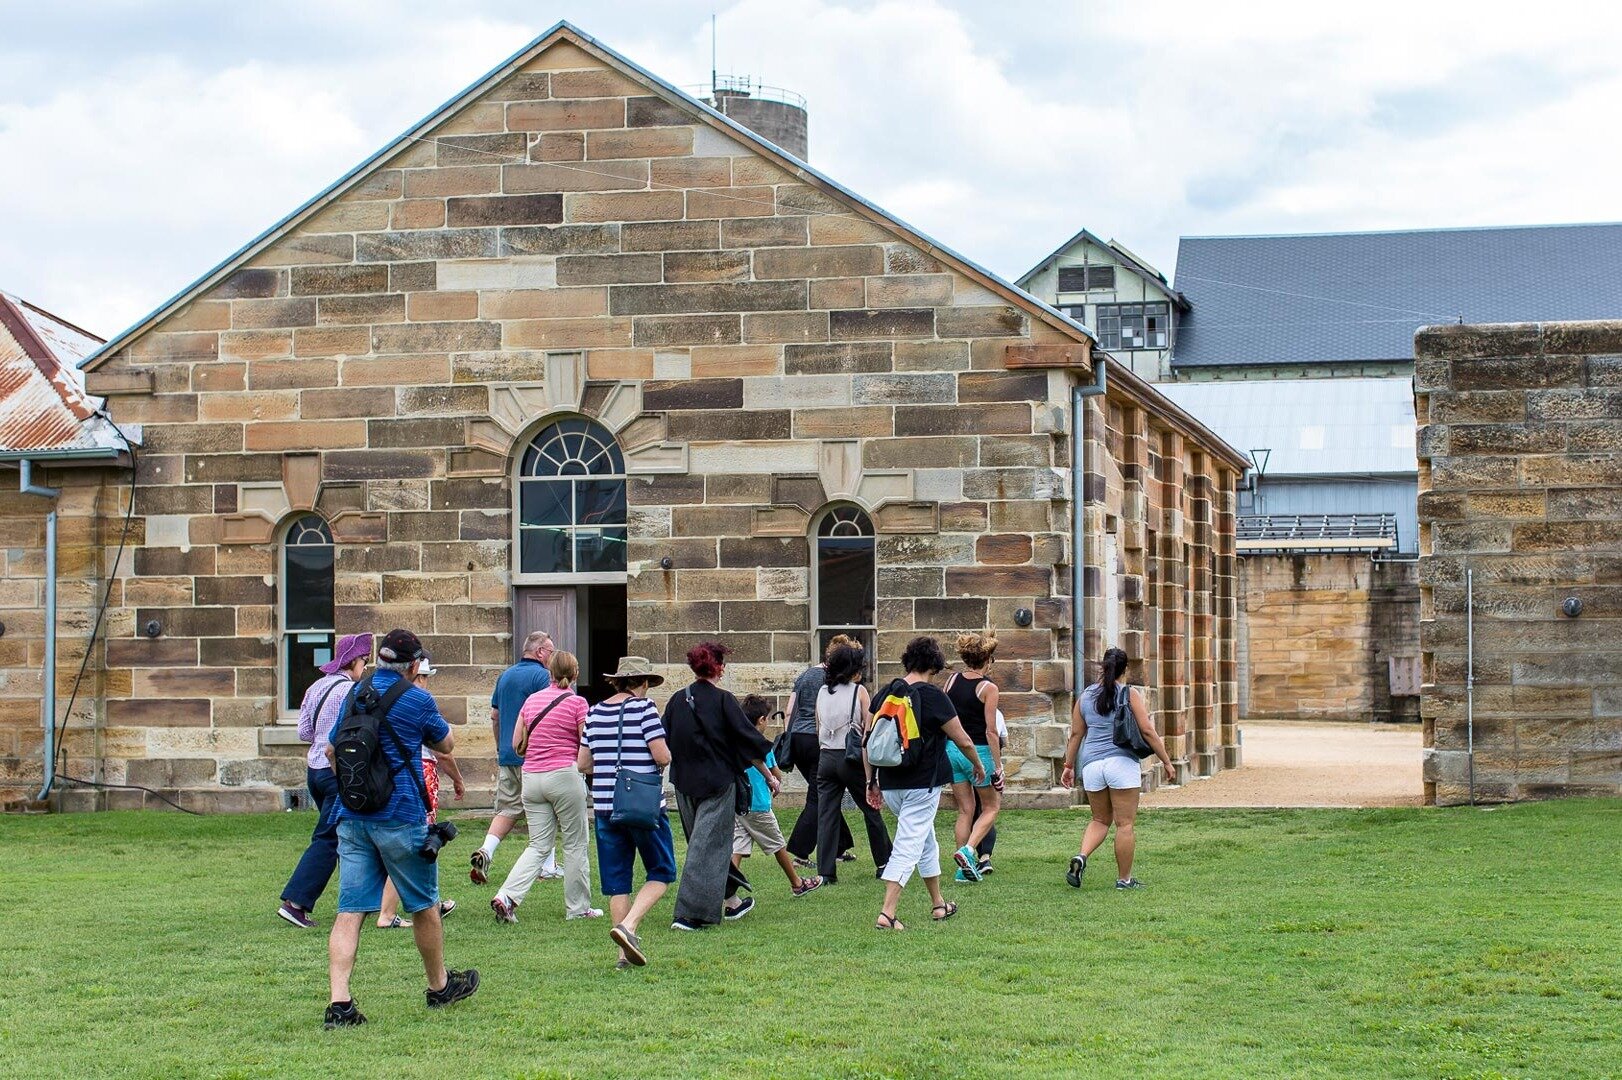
842 703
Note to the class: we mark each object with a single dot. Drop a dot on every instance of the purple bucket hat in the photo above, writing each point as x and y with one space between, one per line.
351 647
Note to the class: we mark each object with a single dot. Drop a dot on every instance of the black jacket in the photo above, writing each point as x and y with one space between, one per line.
711 743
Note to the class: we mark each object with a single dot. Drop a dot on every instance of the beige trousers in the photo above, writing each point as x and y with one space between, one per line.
554 802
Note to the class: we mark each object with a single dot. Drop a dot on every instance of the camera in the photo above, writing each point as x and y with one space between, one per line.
440 833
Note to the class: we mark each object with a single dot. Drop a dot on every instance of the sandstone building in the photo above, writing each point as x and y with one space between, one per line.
578 352
1521 569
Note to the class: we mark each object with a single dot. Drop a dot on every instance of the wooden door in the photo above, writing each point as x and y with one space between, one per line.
550 608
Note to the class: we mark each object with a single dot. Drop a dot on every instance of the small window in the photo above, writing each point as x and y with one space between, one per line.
1086 278
307 606
1134 326
847 572
571 501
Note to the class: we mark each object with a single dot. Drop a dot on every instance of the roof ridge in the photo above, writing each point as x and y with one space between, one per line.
1403 232
49 365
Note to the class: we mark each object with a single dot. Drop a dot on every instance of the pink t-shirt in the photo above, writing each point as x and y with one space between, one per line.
555 742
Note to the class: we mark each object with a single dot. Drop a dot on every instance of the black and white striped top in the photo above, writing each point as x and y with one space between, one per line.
601 737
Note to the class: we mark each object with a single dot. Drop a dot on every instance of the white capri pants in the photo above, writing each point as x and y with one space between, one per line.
1114 771
914 846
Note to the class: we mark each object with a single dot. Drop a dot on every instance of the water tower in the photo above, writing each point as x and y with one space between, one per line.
775 114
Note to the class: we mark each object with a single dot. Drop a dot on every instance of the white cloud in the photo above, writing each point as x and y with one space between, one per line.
998 129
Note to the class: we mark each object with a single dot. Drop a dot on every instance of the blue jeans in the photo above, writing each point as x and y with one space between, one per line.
372 852
618 847
315 866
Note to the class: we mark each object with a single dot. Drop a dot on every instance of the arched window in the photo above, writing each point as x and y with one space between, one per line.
846 567
571 501
307 606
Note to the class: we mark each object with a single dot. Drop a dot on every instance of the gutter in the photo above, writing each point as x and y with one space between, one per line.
72 453
1078 520
27 486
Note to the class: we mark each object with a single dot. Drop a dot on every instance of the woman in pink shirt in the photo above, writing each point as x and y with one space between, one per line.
547 734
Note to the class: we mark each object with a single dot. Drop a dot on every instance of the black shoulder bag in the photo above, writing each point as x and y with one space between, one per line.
855 734
1127 734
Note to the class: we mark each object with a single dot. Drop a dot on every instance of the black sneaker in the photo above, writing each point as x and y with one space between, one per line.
846 856
985 865
343 1014
458 985
685 924
744 907
1128 883
1078 867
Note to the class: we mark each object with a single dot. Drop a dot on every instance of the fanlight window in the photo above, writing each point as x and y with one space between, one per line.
846 566
307 606
571 501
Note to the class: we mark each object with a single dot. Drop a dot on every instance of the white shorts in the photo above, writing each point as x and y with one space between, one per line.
757 827
1114 771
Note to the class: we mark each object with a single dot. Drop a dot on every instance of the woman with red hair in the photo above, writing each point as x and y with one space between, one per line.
712 747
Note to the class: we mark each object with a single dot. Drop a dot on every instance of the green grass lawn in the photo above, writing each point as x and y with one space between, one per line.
1390 943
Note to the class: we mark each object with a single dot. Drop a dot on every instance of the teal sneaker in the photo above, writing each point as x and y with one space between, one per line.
968 863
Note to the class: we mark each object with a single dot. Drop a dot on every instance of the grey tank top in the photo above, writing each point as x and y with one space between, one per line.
1100 740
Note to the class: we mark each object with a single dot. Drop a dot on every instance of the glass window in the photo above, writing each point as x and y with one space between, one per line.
1134 326
571 501
307 606
846 569
1085 278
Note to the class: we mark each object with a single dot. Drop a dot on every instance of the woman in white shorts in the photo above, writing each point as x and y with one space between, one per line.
1109 774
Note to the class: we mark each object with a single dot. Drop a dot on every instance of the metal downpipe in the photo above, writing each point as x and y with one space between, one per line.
1078 521
48 711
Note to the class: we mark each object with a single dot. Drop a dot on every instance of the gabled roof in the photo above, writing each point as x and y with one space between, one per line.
565 31
43 405
1114 247
1328 297
1311 427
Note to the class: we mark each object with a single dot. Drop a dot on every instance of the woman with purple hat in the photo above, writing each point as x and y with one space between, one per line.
323 703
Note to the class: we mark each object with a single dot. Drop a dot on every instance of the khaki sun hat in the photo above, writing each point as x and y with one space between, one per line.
636 667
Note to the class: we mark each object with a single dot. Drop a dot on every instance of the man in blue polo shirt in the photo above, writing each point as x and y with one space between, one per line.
387 845
513 688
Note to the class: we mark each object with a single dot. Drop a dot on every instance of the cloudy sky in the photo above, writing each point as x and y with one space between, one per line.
141 141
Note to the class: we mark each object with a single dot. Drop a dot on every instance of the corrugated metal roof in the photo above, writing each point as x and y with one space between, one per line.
1313 427
43 404
1321 298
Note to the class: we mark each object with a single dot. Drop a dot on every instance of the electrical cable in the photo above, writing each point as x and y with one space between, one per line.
95 630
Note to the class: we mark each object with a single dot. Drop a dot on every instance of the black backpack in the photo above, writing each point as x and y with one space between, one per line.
365 777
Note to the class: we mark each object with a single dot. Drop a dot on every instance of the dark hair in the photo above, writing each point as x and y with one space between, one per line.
755 707
923 655
1110 670
844 663
623 683
707 658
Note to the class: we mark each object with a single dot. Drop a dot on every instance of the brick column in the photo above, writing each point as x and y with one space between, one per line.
1227 610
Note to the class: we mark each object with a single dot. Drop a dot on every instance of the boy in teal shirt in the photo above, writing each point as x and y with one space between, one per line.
759 824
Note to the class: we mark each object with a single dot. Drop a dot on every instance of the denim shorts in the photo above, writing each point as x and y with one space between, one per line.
618 847
370 852
963 768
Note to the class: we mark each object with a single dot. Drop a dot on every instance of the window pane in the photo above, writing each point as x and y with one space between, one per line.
845 587
301 653
1072 279
1101 277
599 551
543 551
543 502
307 588
599 502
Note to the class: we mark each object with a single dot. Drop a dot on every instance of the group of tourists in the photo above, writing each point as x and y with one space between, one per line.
584 772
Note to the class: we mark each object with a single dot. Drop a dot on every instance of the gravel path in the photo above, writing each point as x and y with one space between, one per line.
1313 764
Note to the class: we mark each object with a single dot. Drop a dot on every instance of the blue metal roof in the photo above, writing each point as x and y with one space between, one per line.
1312 427
1052 315
1328 297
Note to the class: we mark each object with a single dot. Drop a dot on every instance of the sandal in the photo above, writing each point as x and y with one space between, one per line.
395 923
949 908
888 922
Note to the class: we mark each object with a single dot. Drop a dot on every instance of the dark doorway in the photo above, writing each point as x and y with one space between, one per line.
601 635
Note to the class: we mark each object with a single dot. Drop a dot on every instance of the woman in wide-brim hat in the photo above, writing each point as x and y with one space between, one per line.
624 731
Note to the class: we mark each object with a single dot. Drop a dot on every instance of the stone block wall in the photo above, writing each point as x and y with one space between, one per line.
1320 630
570 242
1520 479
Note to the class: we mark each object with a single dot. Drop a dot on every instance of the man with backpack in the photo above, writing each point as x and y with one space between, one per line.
383 830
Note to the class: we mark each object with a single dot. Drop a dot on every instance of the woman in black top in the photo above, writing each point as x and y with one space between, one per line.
975 698
802 730
711 744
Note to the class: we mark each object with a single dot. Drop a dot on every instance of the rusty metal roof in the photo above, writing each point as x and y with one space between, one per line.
43 404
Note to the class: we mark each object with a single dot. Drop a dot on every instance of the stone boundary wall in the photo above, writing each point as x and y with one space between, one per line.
1520 480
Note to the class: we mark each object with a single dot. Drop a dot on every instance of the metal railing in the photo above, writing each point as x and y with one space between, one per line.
1317 531
745 86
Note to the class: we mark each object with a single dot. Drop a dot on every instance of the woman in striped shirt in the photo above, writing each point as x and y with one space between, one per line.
624 731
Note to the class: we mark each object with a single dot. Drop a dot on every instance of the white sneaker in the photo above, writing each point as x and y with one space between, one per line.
589 913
